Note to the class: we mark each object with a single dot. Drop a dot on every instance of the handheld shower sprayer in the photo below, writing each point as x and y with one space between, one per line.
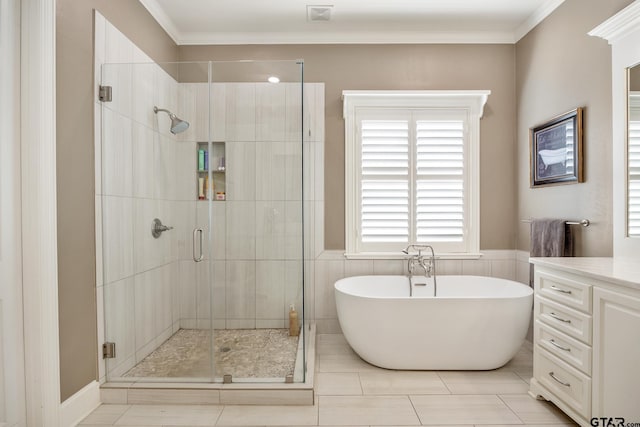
177 124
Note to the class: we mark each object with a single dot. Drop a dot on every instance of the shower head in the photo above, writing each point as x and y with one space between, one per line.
177 124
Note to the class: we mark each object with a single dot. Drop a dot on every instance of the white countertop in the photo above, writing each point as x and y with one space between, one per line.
623 272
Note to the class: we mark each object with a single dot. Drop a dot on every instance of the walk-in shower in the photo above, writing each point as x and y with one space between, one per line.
205 220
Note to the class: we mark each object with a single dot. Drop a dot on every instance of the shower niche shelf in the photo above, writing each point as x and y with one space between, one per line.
213 186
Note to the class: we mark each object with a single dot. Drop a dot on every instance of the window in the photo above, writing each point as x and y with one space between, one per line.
412 170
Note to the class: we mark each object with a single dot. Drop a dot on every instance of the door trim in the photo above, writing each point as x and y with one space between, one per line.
39 219
12 375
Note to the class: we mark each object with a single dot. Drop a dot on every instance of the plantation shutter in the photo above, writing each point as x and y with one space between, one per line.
412 171
440 163
384 181
634 175
412 180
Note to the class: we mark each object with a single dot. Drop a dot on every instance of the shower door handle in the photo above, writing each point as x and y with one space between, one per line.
200 255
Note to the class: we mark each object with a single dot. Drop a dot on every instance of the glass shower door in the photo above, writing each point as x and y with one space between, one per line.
155 314
258 258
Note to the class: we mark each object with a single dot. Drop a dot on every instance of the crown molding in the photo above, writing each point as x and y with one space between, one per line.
535 18
619 25
360 37
162 19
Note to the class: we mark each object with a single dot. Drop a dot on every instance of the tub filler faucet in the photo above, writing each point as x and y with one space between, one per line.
419 260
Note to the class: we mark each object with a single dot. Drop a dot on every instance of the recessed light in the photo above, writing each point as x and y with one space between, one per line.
273 79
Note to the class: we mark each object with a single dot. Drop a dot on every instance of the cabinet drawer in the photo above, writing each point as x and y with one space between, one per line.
565 291
566 348
567 383
571 322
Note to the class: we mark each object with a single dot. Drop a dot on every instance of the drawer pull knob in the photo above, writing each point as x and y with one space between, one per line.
559 346
555 316
564 291
551 374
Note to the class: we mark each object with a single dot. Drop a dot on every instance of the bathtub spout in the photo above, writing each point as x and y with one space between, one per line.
411 266
420 262
429 267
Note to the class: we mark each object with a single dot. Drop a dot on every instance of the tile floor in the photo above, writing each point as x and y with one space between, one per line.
351 392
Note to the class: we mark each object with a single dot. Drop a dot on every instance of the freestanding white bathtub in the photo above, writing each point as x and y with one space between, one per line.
474 323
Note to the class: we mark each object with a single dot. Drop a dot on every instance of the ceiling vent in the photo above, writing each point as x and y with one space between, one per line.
319 13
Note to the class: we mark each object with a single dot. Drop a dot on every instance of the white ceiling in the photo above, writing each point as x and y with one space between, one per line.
352 21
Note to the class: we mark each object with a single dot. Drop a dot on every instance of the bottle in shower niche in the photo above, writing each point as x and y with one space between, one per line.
201 157
200 188
294 326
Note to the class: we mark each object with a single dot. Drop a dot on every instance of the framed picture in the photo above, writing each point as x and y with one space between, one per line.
556 150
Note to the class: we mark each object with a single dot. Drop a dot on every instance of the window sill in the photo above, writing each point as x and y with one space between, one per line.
396 255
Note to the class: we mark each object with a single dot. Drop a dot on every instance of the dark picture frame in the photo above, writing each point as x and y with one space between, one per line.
555 150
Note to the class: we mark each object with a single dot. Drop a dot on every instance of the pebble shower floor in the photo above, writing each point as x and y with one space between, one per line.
243 353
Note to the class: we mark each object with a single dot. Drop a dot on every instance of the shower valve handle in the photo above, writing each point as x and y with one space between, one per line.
157 228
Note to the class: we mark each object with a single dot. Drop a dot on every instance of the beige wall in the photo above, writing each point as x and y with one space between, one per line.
75 165
343 67
558 68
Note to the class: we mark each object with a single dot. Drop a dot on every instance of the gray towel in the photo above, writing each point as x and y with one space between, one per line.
551 238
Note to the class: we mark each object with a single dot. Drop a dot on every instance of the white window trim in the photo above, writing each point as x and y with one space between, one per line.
472 101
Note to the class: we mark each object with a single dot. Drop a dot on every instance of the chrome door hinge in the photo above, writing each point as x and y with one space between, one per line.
109 350
104 94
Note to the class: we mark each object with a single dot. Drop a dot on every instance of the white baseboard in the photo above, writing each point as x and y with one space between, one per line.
77 407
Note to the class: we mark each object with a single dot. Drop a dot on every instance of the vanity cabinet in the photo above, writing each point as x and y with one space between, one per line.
616 361
586 356
562 341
